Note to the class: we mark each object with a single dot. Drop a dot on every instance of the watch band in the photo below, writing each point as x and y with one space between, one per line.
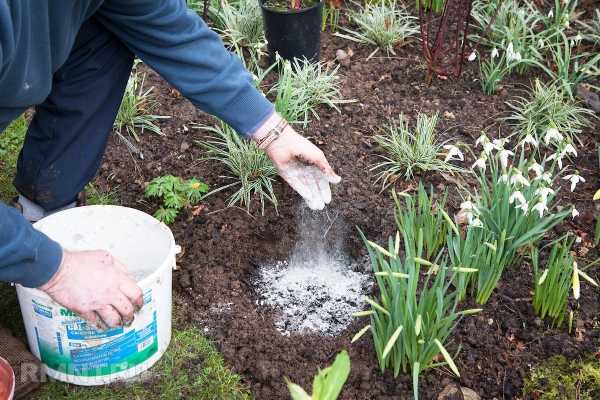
272 135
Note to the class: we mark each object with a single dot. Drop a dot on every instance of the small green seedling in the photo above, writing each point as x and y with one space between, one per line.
176 194
328 383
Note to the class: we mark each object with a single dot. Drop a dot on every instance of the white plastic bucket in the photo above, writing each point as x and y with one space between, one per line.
71 350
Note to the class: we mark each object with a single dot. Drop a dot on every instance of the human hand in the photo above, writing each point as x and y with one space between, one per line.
96 286
299 162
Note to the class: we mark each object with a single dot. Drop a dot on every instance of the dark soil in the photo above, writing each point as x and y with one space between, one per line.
221 245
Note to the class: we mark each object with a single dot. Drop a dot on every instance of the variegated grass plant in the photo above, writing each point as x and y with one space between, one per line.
547 106
513 209
240 23
136 110
303 86
384 24
250 168
411 324
410 152
421 215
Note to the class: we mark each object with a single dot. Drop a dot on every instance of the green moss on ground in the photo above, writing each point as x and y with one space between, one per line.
192 368
560 379
11 141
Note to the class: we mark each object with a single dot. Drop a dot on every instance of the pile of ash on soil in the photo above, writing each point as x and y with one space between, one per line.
318 288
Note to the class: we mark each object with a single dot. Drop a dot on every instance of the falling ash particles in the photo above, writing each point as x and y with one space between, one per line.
318 288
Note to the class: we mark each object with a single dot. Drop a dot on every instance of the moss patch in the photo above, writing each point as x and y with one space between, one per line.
11 141
560 379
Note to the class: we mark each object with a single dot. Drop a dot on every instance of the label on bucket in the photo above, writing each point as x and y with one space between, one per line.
69 345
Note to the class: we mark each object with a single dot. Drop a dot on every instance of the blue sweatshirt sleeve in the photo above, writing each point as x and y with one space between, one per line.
27 256
176 43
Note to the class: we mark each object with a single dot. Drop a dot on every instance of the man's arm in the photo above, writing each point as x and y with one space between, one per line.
180 47
27 256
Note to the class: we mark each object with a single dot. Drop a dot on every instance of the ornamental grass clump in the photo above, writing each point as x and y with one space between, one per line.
547 107
383 24
135 112
241 26
411 324
303 86
410 152
514 208
420 214
249 167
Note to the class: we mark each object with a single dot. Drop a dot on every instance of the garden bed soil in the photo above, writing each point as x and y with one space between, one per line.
223 246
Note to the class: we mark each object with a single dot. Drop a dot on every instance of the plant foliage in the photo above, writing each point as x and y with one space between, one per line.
176 193
328 383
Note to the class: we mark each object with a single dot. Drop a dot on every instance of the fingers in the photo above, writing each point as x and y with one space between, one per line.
109 315
318 159
130 288
125 308
92 319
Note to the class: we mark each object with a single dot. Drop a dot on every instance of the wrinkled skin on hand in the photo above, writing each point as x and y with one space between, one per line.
301 164
97 287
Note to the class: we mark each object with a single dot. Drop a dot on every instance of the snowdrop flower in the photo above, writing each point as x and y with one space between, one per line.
558 157
552 134
575 179
544 192
503 178
519 179
541 207
485 143
454 153
468 206
551 14
481 140
476 222
569 149
574 213
499 143
537 169
480 163
517 196
494 53
523 207
472 56
529 140
541 43
503 155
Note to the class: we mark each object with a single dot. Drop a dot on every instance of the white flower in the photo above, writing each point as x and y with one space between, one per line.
499 143
569 149
472 56
551 14
481 140
503 178
552 134
558 157
476 222
544 192
480 163
518 179
494 53
575 179
540 207
541 43
537 169
529 140
523 207
546 177
454 153
503 155
468 206
574 213
517 196
485 143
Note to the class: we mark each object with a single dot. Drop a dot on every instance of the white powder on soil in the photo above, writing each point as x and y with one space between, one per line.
318 289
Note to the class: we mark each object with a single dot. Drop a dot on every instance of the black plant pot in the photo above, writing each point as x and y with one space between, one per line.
293 33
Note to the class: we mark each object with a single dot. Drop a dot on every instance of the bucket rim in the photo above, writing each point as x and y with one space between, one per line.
148 278
4 365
